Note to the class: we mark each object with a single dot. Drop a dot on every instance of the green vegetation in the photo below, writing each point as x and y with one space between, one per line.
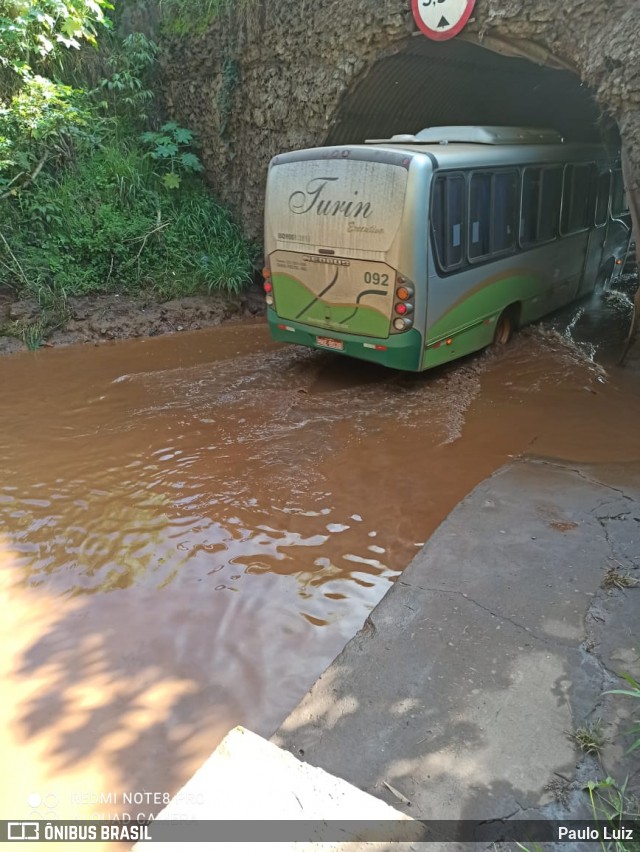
32 334
230 76
36 29
97 193
615 579
633 692
589 738
612 804
610 799
190 17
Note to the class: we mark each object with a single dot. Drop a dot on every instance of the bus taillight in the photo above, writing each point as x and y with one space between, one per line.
267 286
403 307
402 323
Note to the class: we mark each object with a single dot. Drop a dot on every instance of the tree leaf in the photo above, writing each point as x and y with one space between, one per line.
191 162
182 135
46 44
72 27
171 180
167 150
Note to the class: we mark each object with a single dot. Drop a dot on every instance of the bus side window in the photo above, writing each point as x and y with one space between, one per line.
437 219
505 197
447 220
493 200
479 215
602 198
531 179
577 197
549 210
455 198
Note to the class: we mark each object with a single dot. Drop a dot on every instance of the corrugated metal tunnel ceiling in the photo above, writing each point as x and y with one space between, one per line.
458 82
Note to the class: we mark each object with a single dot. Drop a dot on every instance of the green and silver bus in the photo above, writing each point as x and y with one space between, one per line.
418 249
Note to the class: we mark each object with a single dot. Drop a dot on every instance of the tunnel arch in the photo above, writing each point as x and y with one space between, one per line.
298 75
426 83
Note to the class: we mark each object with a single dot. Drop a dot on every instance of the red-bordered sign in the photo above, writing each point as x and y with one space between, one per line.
442 19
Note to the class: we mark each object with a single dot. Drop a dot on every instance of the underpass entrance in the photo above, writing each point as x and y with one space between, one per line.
459 82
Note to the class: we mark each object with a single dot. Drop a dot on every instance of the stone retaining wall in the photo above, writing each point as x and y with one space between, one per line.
252 88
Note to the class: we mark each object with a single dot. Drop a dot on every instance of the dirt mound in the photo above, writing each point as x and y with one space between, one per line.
92 319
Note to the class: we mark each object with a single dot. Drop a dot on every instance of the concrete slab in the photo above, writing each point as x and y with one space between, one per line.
248 778
464 686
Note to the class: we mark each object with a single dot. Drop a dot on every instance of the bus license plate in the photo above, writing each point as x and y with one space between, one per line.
330 343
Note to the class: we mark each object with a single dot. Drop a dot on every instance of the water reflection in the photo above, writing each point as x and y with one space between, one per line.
196 526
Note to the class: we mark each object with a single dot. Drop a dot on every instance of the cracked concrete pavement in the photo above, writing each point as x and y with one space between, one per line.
499 639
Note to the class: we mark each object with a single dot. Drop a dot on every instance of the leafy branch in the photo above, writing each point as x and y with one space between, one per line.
170 148
33 31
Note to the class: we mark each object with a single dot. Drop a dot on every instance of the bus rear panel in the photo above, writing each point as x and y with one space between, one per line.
341 269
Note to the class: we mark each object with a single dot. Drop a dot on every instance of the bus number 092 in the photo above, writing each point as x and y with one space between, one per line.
376 278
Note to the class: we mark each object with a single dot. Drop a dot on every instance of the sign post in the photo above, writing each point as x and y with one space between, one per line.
442 19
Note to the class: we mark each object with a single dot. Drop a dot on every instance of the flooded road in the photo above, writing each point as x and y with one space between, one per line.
192 527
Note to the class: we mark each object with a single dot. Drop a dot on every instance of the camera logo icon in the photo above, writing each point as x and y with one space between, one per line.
23 831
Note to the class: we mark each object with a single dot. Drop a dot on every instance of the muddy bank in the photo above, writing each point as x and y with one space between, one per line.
24 324
95 319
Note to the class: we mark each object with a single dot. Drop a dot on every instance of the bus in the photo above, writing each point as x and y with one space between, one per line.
413 251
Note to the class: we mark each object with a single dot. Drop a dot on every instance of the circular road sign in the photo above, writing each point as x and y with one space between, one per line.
441 19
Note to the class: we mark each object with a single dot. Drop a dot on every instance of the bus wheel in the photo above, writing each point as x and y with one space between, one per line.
504 329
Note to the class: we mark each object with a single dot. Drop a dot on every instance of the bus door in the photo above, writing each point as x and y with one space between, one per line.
597 235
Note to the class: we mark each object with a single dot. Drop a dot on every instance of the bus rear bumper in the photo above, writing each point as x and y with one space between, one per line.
398 351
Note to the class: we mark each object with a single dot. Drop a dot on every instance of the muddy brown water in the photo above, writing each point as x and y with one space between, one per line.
192 527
